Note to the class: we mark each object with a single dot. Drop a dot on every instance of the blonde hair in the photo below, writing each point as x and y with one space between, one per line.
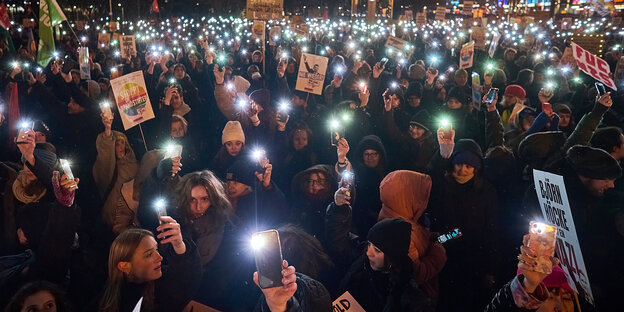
178 118
122 250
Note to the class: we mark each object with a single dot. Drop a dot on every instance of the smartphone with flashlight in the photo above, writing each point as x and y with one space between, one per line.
549 89
23 132
66 169
336 135
447 129
173 151
384 61
268 254
161 210
600 88
106 110
491 95
547 108
347 181
542 242
455 233
282 115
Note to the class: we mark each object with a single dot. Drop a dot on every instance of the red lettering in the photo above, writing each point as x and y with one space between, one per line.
578 51
582 66
606 79
590 58
592 71
572 265
602 65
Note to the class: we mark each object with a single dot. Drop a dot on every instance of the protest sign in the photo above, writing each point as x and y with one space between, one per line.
566 23
593 65
408 15
103 41
113 26
421 19
478 36
440 13
29 23
116 38
83 60
264 9
467 8
195 306
477 91
346 303
311 74
466 54
257 30
132 99
553 200
128 46
275 33
494 44
302 29
397 44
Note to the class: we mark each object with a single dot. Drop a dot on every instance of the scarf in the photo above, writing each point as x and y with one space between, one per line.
28 192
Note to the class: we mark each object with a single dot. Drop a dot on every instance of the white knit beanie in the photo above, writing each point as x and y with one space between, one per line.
241 85
233 131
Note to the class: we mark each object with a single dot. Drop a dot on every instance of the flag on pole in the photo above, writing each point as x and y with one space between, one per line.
155 8
50 15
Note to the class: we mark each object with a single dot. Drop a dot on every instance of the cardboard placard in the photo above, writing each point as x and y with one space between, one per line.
264 9
195 306
421 19
593 65
28 23
113 26
346 303
466 55
311 74
128 46
566 23
478 36
440 13
132 100
468 7
553 200
397 44
103 41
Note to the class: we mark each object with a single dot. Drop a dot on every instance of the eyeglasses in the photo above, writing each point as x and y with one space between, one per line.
373 154
317 182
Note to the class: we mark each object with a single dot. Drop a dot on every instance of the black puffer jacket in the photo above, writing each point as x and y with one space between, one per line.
311 296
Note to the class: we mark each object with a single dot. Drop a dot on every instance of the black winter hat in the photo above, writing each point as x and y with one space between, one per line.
422 119
459 94
372 142
537 147
262 97
593 163
415 88
392 236
468 152
241 171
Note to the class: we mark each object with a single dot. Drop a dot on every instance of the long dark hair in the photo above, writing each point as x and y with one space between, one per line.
17 301
220 209
303 251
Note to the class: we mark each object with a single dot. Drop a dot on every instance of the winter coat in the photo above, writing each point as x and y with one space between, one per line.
513 298
175 288
370 288
111 173
411 154
310 212
272 208
405 194
367 202
8 239
288 161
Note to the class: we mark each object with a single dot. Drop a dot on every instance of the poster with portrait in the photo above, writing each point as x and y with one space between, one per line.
132 100
128 46
311 75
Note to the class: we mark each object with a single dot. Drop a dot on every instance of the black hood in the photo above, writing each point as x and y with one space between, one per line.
371 142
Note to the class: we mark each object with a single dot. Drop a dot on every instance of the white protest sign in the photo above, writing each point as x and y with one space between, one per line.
346 303
397 44
103 41
83 60
494 44
593 65
132 99
128 46
466 54
311 74
137 307
553 199
440 13
257 30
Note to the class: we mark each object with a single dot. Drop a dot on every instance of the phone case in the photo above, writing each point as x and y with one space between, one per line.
175 151
542 242
67 169
269 260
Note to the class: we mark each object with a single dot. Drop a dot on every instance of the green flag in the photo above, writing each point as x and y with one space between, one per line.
50 15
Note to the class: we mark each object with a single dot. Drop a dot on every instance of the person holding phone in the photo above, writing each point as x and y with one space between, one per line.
376 270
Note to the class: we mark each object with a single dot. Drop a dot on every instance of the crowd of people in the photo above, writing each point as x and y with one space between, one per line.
359 181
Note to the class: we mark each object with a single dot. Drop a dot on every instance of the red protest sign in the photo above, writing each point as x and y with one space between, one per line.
593 65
